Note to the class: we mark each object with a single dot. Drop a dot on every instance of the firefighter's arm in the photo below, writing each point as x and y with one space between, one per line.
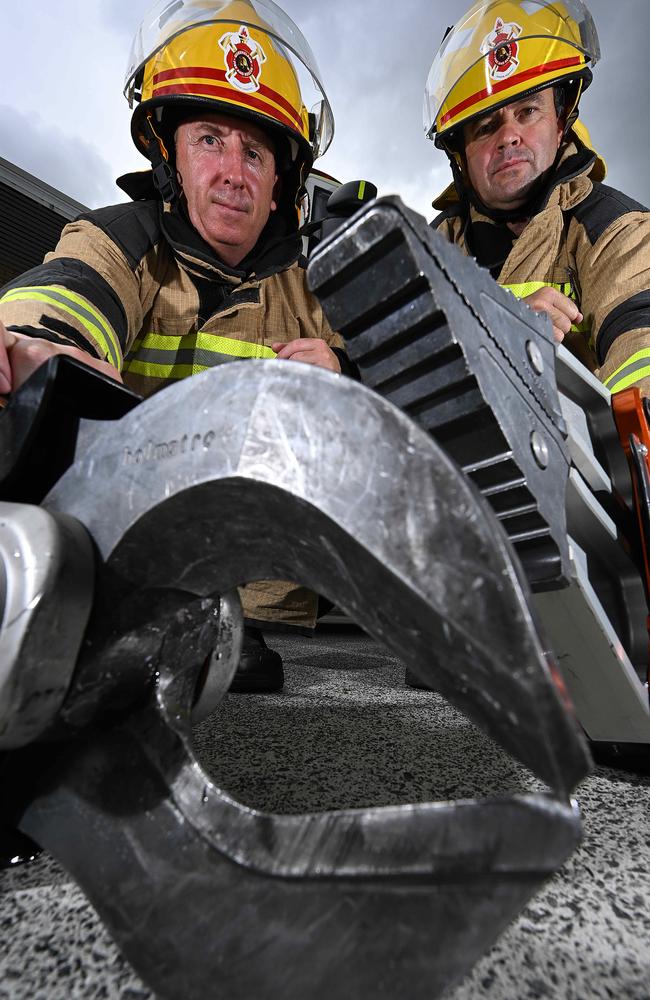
83 301
21 355
310 350
628 362
326 349
615 280
560 309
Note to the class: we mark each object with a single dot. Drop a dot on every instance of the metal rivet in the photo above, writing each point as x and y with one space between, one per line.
539 448
535 356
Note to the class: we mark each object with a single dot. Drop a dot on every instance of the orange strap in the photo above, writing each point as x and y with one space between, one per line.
633 429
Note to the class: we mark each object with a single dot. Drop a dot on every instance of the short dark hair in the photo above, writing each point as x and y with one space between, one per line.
559 96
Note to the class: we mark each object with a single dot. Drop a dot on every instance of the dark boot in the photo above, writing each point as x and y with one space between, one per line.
260 668
15 847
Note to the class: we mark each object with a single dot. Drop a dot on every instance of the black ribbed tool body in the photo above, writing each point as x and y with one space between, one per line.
473 365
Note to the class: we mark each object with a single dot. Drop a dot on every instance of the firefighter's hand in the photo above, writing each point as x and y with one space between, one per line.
311 350
562 311
20 356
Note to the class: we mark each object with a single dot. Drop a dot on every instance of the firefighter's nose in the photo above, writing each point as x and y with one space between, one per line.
508 135
232 167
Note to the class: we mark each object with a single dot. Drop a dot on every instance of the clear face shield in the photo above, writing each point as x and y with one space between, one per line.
540 25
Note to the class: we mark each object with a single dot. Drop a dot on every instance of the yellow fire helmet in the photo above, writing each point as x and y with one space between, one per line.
501 50
241 57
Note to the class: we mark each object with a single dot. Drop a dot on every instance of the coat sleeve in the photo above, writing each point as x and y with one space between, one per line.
614 275
85 294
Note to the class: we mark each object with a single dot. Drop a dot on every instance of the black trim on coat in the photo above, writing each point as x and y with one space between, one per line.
41 333
491 243
134 227
633 314
603 206
348 367
447 213
215 297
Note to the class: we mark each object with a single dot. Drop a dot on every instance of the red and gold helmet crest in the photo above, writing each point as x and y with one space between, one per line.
501 49
244 57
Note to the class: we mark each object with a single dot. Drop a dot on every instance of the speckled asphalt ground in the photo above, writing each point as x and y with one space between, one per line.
346 732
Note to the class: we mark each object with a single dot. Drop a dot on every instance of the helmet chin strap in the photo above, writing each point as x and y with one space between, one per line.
164 178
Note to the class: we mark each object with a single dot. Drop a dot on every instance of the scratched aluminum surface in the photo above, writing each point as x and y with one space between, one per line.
261 471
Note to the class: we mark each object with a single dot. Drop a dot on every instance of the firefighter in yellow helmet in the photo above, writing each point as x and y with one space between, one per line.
204 265
527 198
234 58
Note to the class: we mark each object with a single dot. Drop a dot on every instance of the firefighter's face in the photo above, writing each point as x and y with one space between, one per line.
227 171
507 150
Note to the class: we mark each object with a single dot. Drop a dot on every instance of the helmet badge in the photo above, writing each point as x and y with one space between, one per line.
244 57
501 49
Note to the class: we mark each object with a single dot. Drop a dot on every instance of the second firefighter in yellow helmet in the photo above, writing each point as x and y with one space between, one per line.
501 50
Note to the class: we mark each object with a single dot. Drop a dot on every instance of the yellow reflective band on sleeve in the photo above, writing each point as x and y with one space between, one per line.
522 290
166 357
635 368
151 370
95 324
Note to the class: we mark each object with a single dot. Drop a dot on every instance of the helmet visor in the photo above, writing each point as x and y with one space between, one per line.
542 28
168 18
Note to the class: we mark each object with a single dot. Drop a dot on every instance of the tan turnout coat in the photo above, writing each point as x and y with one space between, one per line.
593 244
136 286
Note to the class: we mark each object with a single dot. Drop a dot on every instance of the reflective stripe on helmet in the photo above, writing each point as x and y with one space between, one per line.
536 73
225 94
197 73
94 323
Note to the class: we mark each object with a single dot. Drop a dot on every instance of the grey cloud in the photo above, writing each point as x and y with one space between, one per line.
615 108
374 62
123 16
69 164
375 56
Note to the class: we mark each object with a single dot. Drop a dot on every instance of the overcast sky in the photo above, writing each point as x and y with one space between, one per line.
64 119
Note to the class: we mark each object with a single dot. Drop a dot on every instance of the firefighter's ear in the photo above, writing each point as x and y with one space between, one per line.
277 191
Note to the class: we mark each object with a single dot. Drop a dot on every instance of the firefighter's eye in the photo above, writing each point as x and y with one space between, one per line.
484 128
208 139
